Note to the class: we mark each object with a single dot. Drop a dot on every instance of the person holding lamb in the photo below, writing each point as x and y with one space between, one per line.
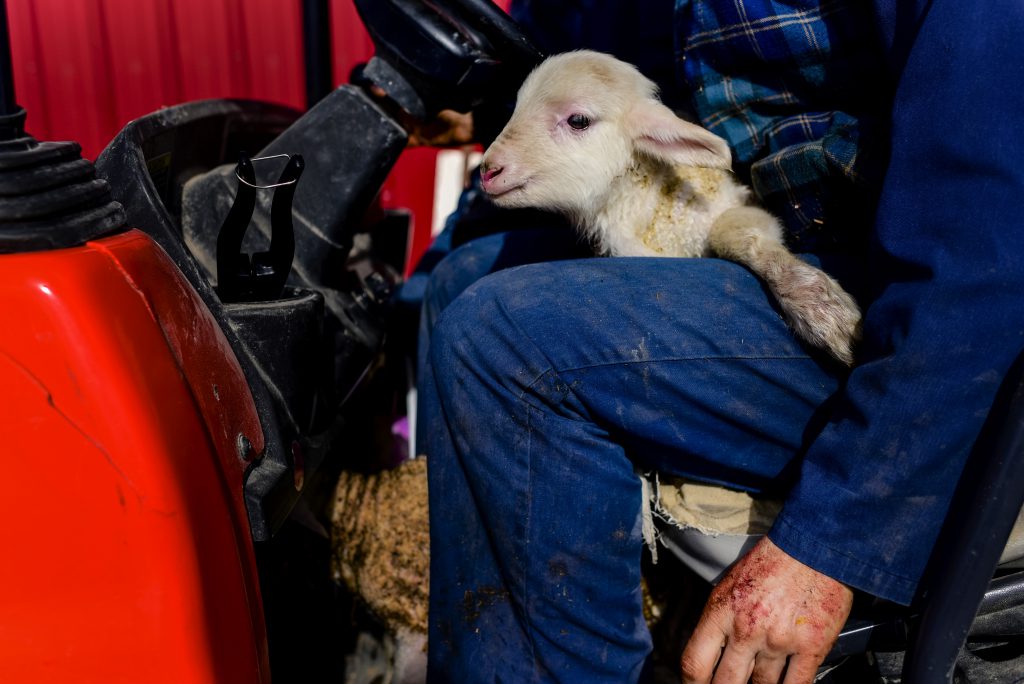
886 138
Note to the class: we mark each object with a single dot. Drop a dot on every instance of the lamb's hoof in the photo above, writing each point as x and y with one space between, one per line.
820 311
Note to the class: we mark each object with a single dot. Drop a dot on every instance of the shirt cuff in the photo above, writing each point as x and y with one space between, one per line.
798 542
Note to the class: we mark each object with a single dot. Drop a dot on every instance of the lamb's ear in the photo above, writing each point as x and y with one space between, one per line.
659 133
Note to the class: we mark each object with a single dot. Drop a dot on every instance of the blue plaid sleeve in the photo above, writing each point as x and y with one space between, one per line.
800 90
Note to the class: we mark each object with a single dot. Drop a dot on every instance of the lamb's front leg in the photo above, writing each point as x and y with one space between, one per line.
816 307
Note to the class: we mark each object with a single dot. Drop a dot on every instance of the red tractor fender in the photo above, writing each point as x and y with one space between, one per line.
127 425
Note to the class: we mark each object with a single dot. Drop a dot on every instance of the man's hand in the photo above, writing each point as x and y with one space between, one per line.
768 607
448 129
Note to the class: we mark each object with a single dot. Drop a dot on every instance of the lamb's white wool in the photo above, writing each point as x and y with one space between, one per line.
590 139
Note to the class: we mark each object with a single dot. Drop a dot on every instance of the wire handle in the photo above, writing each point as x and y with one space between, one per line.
238 175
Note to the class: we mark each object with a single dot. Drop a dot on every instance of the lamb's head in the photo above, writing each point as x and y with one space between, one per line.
581 120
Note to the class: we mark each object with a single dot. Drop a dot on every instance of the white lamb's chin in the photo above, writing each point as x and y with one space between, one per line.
514 199
499 201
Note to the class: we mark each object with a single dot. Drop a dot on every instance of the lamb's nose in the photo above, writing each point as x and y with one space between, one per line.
488 173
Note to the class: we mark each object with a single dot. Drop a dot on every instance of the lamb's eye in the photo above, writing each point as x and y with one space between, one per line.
578 122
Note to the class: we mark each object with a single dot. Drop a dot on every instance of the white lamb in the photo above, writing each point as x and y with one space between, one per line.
590 139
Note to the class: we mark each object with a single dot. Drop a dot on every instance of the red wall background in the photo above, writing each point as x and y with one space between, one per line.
84 68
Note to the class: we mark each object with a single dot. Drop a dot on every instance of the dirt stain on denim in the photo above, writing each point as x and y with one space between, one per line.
558 569
476 601
564 389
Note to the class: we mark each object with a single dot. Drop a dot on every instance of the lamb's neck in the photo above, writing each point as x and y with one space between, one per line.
656 209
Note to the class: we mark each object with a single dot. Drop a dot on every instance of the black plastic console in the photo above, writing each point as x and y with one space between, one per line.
306 351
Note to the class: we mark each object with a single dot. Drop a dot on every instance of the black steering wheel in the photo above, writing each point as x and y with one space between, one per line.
495 25
445 54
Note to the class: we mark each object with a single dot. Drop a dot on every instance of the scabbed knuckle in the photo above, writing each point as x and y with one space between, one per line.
777 640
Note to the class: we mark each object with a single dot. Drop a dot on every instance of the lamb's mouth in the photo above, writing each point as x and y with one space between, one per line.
506 192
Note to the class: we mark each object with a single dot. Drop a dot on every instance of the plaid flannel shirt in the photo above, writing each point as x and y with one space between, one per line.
799 89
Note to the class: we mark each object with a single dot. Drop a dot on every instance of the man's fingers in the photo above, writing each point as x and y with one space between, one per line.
702 653
735 666
802 669
768 669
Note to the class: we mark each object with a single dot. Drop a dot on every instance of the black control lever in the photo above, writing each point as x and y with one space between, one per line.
261 277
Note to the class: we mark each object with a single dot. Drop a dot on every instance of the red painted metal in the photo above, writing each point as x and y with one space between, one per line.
128 556
82 70
352 44
411 185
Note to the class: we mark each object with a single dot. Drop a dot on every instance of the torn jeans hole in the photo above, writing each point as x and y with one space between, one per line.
707 527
